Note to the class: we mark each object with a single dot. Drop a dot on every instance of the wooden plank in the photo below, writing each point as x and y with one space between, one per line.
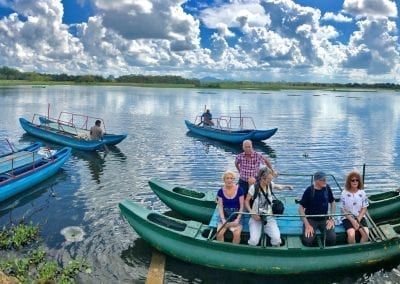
156 269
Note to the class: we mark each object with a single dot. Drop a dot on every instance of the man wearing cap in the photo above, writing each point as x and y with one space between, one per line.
315 201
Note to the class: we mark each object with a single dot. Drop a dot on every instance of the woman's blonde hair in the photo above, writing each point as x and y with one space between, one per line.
228 173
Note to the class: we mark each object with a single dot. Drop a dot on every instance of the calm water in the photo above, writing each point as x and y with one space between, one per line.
332 131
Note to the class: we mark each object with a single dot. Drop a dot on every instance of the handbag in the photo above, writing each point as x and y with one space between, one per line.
277 206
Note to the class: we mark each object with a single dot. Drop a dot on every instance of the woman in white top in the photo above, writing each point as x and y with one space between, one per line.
262 206
354 205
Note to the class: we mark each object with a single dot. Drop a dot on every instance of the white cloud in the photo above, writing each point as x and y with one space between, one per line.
370 8
38 41
235 15
164 20
340 18
374 47
250 40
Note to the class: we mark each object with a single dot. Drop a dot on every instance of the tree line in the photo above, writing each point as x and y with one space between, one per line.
7 73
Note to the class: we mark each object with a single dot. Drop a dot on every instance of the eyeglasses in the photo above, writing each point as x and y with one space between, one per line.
355 180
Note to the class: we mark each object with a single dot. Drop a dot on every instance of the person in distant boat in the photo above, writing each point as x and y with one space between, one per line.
96 132
354 207
261 195
315 201
248 163
230 200
206 118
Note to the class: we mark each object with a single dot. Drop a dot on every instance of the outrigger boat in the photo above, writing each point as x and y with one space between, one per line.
230 129
23 169
79 125
59 136
200 206
194 242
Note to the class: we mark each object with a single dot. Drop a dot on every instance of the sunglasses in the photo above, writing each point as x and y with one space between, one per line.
355 180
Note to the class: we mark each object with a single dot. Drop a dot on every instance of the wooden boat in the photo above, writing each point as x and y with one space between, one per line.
59 136
37 167
230 129
194 242
200 206
79 125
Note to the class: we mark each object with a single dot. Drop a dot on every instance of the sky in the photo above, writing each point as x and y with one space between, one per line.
340 41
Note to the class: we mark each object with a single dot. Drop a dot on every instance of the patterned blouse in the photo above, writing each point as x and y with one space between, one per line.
354 202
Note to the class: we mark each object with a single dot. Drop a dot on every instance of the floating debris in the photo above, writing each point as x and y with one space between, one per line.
73 234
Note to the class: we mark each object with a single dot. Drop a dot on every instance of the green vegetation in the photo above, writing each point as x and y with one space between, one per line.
12 77
32 266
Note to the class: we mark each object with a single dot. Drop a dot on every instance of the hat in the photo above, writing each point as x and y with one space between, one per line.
319 175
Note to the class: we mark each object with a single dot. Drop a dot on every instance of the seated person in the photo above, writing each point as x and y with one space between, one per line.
261 195
96 132
206 118
230 200
315 201
354 204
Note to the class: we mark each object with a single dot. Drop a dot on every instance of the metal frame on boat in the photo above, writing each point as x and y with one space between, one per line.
37 166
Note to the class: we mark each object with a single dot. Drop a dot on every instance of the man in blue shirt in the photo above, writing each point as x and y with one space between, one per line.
206 118
315 201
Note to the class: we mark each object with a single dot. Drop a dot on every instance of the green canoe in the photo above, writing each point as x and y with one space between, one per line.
200 206
193 242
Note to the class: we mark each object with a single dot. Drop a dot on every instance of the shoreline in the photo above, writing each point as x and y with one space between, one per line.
245 86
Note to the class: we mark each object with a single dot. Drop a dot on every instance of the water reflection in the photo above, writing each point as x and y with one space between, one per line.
95 161
333 131
38 197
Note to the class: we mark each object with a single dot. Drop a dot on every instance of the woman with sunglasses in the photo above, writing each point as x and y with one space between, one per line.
354 207
263 206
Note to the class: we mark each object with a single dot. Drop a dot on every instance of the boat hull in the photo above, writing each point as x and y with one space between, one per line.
230 136
191 204
108 138
187 241
27 176
60 137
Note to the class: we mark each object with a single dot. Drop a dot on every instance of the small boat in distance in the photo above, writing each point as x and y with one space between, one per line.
80 124
70 129
35 128
20 170
231 129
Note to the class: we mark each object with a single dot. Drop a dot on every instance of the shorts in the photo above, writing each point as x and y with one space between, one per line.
347 224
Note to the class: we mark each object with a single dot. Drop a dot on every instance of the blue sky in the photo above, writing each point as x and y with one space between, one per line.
254 40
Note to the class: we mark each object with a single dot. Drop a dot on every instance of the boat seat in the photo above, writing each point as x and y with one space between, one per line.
192 228
287 225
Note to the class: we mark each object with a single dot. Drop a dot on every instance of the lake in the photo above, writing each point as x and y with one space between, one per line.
317 130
